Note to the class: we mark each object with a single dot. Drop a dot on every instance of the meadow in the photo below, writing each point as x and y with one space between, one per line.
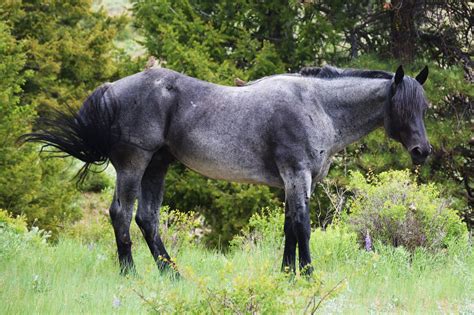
79 273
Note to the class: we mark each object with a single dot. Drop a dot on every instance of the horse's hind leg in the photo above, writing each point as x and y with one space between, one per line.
297 221
289 253
151 197
130 164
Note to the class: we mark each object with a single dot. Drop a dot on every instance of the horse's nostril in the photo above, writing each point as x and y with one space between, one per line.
416 151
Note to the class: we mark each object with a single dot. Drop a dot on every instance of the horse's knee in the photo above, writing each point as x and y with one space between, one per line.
114 210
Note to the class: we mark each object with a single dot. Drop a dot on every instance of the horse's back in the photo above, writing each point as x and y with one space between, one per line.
219 131
233 132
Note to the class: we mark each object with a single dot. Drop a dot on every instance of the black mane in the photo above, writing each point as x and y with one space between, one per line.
329 72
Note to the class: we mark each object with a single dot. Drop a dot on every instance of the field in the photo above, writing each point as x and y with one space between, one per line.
80 274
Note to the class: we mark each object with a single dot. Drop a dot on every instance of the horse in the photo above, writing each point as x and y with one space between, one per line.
281 131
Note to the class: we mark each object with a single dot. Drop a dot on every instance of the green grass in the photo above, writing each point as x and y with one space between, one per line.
75 276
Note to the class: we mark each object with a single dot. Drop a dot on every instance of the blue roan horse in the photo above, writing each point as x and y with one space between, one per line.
280 131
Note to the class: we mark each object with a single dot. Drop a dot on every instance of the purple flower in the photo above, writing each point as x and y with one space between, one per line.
116 302
368 242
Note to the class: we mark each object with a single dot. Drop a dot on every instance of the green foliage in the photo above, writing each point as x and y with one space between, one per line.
15 236
69 49
179 229
226 207
332 245
265 225
37 188
96 181
94 226
17 224
218 42
391 208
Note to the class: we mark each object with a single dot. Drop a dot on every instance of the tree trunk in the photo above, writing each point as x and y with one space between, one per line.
403 31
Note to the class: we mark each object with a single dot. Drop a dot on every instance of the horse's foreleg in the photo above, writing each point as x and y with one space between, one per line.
129 173
297 190
147 218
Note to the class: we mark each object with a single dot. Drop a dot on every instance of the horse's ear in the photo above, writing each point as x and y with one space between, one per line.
422 76
399 74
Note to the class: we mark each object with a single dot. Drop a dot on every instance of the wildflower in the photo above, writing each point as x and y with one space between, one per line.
368 242
116 302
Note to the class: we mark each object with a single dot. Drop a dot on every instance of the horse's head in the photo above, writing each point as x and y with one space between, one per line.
405 113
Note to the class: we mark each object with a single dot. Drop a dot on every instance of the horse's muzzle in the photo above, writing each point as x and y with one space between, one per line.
419 154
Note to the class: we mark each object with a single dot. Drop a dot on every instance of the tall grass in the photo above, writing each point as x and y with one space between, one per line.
75 276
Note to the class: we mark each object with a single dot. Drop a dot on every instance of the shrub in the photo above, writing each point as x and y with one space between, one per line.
69 48
96 181
393 209
16 224
264 227
178 228
14 234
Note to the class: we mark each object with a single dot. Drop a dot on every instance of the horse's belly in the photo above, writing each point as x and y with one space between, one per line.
234 175
225 160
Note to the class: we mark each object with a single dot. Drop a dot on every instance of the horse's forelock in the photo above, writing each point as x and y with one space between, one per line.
408 99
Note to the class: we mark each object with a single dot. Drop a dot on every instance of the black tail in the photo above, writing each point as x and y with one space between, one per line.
85 134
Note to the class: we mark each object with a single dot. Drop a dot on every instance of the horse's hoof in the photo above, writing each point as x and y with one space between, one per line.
168 268
307 271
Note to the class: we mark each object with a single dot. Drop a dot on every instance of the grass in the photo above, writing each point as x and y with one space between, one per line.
80 275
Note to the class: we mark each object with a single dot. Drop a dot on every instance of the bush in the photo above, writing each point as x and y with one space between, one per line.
14 234
178 228
69 48
16 224
264 227
96 181
393 209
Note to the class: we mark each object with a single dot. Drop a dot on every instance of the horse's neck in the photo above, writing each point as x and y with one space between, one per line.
356 107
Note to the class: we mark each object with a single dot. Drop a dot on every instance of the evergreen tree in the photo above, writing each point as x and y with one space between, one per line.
69 48
38 188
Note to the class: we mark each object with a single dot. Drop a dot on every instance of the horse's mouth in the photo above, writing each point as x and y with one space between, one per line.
418 160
